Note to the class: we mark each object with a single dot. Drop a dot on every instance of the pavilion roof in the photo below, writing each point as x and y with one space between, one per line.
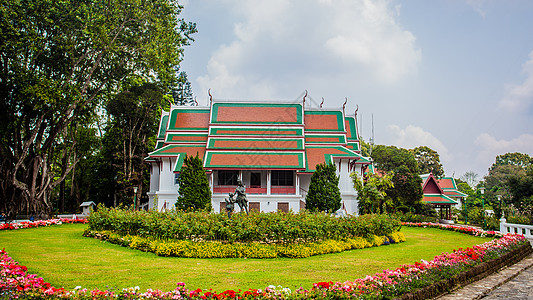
256 135
438 199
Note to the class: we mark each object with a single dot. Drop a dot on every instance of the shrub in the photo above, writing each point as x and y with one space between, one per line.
194 192
324 194
267 228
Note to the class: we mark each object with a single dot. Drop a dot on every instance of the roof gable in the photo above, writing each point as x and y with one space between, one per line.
189 118
257 113
324 121
430 186
351 129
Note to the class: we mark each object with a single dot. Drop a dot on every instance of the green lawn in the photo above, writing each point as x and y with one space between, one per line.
63 257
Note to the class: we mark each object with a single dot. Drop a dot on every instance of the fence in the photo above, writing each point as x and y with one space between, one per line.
526 230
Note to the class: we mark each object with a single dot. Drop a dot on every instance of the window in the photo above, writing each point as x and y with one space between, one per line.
282 178
176 178
228 177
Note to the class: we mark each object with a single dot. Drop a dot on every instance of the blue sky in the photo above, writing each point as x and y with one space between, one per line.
456 76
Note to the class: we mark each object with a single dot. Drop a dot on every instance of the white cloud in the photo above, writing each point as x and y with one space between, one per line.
520 97
280 44
490 147
478 6
414 136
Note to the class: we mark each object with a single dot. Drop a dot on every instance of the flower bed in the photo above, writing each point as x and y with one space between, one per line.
462 229
210 249
417 281
22 225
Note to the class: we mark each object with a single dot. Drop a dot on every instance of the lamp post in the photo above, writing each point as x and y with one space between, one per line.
134 196
482 190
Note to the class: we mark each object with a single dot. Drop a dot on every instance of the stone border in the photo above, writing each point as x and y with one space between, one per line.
473 274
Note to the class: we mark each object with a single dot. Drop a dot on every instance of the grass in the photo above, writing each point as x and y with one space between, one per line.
63 257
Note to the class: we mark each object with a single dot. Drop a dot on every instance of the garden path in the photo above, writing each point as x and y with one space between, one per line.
513 283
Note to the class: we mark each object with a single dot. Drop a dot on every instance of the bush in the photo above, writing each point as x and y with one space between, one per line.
278 228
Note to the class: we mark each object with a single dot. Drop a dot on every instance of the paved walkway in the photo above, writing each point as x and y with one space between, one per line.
514 282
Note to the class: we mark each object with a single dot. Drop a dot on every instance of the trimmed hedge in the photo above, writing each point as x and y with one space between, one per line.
214 249
269 228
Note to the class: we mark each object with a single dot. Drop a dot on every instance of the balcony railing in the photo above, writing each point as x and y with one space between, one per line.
274 190
283 190
224 189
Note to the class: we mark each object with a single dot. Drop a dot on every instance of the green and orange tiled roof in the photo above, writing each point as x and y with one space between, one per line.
253 135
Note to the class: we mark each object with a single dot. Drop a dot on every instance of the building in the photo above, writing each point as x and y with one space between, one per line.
272 147
442 193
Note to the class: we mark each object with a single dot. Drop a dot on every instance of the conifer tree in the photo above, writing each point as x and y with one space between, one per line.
194 192
324 193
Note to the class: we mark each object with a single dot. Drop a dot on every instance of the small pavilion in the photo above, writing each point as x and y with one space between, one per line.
440 198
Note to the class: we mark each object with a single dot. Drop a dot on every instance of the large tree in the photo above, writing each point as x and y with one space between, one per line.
513 159
504 179
428 161
407 192
130 136
58 59
324 194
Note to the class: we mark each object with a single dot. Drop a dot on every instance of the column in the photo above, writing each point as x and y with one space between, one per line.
269 182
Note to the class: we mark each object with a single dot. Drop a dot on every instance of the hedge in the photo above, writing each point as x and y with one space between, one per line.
270 228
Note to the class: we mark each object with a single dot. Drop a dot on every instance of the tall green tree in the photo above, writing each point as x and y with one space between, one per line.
324 194
182 93
371 194
428 161
58 60
407 192
130 135
194 192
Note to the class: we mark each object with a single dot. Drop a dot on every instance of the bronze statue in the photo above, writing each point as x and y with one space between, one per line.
230 204
240 194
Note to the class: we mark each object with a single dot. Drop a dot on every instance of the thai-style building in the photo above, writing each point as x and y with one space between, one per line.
272 147
442 193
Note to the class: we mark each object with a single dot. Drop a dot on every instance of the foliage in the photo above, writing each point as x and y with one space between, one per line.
407 192
521 190
324 194
366 148
510 178
271 228
513 159
194 192
129 137
59 60
214 249
371 193
182 93
428 161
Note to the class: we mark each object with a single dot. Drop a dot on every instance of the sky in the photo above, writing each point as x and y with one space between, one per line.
453 75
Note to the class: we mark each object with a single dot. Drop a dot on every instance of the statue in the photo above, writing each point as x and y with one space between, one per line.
230 204
240 194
